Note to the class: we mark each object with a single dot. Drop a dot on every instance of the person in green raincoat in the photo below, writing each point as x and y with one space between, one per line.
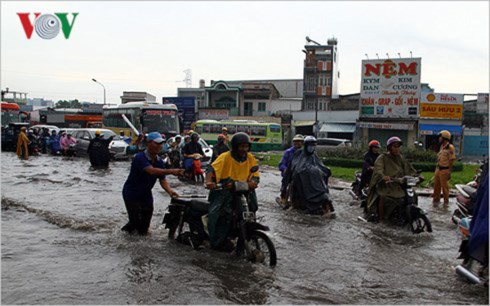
234 165
384 195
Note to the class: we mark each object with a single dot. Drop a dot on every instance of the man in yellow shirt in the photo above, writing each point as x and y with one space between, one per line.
442 175
230 166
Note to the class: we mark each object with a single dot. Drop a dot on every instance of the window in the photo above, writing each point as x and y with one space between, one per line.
258 131
215 128
275 128
243 128
261 106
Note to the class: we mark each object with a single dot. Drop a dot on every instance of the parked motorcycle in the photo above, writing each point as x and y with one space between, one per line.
471 269
466 196
184 221
407 213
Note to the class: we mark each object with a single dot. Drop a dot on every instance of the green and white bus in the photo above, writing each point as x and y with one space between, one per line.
145 117
264 136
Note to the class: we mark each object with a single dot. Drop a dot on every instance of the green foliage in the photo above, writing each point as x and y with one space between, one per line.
68 104
411 154
357 163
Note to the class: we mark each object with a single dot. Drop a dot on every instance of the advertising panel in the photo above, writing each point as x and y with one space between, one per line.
390 88
186 107
441 105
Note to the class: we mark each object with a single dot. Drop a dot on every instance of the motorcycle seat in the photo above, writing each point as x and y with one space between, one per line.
470 191
196 205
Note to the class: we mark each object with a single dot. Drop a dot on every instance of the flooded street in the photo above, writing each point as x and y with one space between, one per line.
62 244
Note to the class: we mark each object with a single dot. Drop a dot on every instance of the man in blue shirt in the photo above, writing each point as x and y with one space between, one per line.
284 164
146 168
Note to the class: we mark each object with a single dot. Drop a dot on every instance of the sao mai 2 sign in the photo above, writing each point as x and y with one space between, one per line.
47 26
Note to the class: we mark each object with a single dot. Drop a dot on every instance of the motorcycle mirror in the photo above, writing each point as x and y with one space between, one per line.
254 169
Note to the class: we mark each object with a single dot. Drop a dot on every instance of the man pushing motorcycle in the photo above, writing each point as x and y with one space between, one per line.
230 166
384 196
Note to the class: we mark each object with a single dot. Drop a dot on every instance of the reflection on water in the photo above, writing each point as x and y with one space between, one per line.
62 244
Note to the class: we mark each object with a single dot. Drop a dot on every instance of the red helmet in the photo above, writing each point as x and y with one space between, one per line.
374 143
221 136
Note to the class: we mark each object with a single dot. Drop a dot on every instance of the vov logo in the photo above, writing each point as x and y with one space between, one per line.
47 26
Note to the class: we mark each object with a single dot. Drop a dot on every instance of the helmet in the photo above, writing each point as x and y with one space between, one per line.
238 139
194 136
97 132
310 140
393 140
374 143
224 129
178 136
221 136
445 134
190 132
299 137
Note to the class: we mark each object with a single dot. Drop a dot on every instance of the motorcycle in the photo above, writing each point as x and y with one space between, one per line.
175 157
407 213
194 172
471 269
357 191
184 221
465 199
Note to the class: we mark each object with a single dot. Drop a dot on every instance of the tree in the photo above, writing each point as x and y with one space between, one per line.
68 104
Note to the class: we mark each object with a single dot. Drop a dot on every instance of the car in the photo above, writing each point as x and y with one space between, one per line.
208 150
39 127
83 136
333 142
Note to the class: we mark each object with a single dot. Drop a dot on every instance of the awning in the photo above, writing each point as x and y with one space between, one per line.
338 128
304 123
434 129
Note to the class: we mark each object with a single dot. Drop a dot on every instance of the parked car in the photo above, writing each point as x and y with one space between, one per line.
208 150
334 142
83 136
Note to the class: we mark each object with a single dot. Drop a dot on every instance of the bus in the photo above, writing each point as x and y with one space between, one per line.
10 113
144 116
264 136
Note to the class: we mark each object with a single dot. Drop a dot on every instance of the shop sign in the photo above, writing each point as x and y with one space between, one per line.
441 105
214 113
391 87
386 126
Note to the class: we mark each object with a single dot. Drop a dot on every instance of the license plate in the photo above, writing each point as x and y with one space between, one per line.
247 215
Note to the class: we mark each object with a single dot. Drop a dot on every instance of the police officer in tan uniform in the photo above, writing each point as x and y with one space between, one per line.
442 175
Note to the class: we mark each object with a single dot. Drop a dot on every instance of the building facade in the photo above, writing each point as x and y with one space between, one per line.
320 75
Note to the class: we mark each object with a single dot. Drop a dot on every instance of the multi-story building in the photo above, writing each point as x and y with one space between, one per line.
320 75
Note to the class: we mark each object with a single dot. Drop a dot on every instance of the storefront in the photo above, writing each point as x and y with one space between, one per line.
441 111
382 131
429 134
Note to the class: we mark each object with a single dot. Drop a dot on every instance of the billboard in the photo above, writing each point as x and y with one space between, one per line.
482 103
186 108
390 88
441 106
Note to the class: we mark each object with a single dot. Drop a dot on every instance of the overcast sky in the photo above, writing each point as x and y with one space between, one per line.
146 46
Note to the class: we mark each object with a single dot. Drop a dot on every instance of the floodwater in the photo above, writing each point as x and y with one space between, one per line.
62 244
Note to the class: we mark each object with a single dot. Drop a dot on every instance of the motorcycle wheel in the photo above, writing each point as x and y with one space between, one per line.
262 248
418 225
